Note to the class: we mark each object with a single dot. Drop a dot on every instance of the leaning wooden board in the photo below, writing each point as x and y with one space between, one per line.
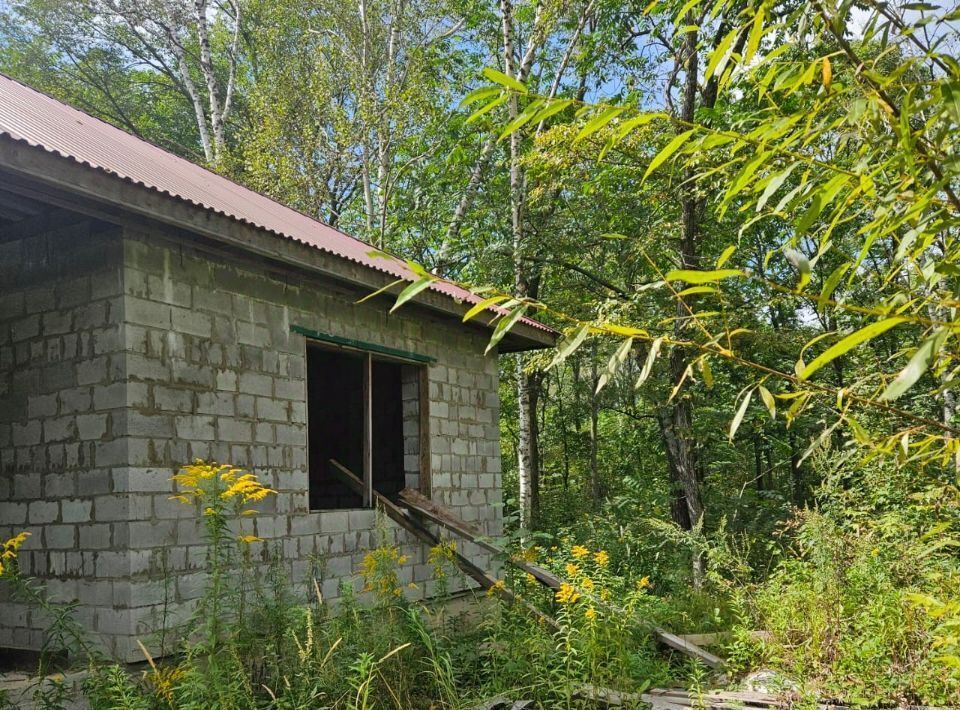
401 517
436 513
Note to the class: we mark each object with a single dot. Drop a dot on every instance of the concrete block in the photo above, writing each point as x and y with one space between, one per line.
229 429
334 521
13 513
172 399
255 383
42 405
43 511
195 427
76 510
92 426
60 536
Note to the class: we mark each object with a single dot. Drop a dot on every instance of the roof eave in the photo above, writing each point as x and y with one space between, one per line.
113 198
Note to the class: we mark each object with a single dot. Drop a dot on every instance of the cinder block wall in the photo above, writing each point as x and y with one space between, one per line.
63 398
205 365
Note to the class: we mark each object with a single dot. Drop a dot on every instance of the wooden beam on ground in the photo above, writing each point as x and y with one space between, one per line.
690 649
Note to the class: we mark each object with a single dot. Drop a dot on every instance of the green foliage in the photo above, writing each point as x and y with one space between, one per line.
853 603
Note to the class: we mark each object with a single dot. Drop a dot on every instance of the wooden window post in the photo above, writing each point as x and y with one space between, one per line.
368 431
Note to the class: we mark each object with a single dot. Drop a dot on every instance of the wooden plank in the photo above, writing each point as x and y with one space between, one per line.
426 463
351 481
720 637
690 649
399 516
367 431
436 513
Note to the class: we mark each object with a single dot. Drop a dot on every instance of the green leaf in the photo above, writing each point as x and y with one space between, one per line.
830 285
487 108
768 400
702 277
668 150
616 360
598 122
569 345
483 305
523 118
849 343
756 34
693 290
725 256
504 80
921 361
382 289
628 127
720 53
651 358
411 291
738 417
774 185
504 326
478 94
951 99
550 109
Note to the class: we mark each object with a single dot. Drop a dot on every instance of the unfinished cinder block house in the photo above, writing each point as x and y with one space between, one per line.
152 313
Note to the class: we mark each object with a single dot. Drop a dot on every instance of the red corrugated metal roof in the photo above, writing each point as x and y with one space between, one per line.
40 121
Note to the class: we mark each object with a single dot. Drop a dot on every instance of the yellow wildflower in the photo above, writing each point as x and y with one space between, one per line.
249 538
601 558
579 551
590 613
572 570
567 594
8 551
213 483
643 583
496 588
587 583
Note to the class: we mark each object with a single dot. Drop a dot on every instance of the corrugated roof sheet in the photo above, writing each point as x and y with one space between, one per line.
40 121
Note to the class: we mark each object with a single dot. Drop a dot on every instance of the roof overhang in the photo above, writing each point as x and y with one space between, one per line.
61 181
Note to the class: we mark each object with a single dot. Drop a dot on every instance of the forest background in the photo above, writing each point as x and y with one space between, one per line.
743 215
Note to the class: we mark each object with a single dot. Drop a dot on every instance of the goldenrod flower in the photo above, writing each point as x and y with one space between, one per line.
496 587
567 594
579 551
215 484
643 583
586 583
590 613
601 558
8 551
572 570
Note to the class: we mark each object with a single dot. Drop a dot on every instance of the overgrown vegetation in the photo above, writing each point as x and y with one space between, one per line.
743 213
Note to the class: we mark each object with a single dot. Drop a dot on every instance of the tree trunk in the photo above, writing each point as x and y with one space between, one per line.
596 492
676 423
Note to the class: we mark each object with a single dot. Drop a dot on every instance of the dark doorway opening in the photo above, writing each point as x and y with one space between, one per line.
346 393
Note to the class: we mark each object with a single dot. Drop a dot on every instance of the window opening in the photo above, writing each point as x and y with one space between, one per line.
365 412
